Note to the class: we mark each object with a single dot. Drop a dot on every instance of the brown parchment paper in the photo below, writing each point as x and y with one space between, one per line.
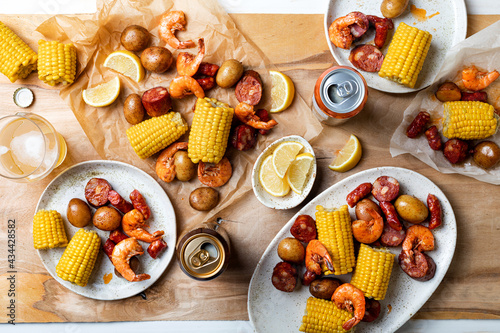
481 50
95 39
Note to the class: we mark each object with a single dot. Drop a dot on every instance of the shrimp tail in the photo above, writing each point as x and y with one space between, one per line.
350 323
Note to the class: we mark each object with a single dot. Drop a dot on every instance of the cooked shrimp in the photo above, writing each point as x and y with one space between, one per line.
188 64
121 255
340 30
133 224
316 253
368 231
348 297
215 174
246 114
475 80
182 86
171 22
165 168
418 238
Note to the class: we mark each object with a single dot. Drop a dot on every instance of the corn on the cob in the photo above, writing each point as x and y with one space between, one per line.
17 59
468 120
335 233
78 259
322 316
209 131
152 135
406 54
48 230
373 271
56 62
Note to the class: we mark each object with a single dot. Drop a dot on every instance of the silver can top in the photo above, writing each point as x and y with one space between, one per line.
342 90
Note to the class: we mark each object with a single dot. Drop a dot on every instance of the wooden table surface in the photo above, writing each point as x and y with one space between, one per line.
471 286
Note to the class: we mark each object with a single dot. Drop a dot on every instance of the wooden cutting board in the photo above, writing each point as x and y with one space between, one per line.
469 290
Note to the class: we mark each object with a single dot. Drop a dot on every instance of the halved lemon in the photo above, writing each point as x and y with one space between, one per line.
103 94
282 91
270 181
283 155
126 63
296 175
348 156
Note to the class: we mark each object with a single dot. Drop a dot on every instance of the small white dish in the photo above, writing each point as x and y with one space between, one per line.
292 199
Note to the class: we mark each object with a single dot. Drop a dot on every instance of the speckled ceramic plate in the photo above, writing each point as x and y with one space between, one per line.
448 27
124 178
271 310
292 199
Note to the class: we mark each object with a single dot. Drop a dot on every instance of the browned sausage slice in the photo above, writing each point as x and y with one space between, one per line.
140 204
367 58
284 277
156 247
244 137
156 101
420 267
390 215
358 193
96 192
119 203
304 228
249 88
392 237
385 188
436 211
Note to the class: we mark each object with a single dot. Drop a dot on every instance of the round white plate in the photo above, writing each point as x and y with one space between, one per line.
124 178
271 310
447 28
292 199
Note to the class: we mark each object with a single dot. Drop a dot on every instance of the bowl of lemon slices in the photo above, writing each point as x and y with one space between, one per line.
284 173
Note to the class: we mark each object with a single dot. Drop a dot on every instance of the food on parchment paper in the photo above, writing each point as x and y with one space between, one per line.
157 59
171 22
188 64
478 96
246 114
291 250
96 191
486 154
370 230
436 211
155 134
411 209
48 230
382 27
366 57
134 224
17 59
106 218
125 63
156 101
418 124
324 288
78 213
103 94
249 88
185 169
385 188
282 94
316 320
304 228
448 92
244 137
215 174
410 44
133 110
345 29
393 8
456 150
79 257
229 73
205 76
348 157
469 120
182 86
56 62
121 255
165 164
284 277
204 198
135 38
475 80
433 138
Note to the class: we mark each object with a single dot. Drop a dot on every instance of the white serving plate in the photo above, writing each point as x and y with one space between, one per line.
124 178
447 28
271 310
292 199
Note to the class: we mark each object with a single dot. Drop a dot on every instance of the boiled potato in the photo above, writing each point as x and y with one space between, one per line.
107 218
204 198
229 73
78 213
393 8
135 38
411 209
324 288
291 249
486 154
361 209
448 92
133 110
185 169
156 59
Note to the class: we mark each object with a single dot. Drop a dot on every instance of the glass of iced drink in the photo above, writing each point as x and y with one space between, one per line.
30 147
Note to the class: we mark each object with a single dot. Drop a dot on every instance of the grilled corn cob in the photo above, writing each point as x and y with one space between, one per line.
17 59
335 233
152 135
406 54
322 316
373 271
209 131
48 230
78 259
468 120
56 62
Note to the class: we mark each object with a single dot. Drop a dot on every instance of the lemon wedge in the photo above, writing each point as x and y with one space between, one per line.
270 181
282 91
126 63
103 94
297 172
348 156
283 155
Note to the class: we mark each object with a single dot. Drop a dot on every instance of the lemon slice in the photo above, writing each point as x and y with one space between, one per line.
270 181
348 156
297 172
283 155
126 63
103 94
282 91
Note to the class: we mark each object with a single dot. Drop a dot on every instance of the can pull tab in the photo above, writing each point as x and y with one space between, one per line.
341 92
345 89
202 256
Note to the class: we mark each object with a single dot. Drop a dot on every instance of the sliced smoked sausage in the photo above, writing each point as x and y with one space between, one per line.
119 203
418 124
392 237
367 58
390 215
244 137
140 204
304 228
436 211
385 188
156 101
420 266
358 193
156 247
284 277
96 192
249 88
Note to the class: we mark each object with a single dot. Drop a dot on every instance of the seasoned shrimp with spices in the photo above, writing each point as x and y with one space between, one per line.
340 30
188 64
348 297
246 114
368 231
133 224
215 174
120 257
165 167
182 86
475 80
316 253
418 237
170 22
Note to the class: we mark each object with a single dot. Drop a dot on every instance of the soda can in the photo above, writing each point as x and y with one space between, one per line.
204 252
340 93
